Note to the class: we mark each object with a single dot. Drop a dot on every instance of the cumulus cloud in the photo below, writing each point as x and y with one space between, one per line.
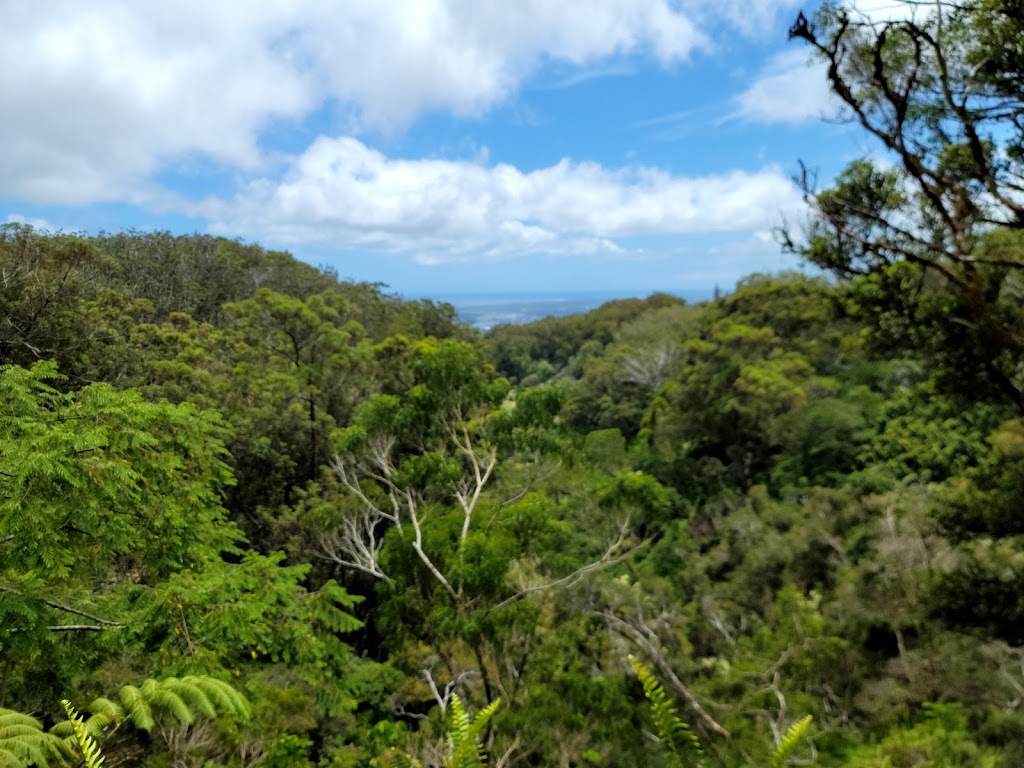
398 59
790 89
100 96
104 97
342 192
107 93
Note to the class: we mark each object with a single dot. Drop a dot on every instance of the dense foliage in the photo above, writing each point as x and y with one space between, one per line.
251 514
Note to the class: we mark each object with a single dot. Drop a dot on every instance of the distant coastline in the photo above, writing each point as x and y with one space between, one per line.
486 310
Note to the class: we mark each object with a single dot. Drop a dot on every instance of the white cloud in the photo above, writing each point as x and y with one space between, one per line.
790 89
35 223
341 192
105 94
398 59
100 96
97 94
753 18
881 11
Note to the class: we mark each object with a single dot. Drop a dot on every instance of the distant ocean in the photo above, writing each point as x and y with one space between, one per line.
486 310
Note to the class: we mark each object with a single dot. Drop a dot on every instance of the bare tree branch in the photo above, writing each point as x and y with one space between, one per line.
611 556
647 639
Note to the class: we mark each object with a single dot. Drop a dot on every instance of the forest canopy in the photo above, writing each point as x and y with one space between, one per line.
253 514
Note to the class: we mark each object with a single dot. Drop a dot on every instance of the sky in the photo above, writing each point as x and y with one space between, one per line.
442 147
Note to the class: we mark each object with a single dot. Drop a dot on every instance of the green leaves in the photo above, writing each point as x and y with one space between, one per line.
100 474
234 613
677 740
170 699
464 747
23 742
395 758
679 743
943 738
133 704
829 534
464 734
47 282
789 741
101 493
86 744
939 92
862 195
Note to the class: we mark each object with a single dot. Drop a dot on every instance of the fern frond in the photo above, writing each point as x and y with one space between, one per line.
135 707
148 688
676 737
191 695
23 742
789 741
458 720
98 725
224 698
63 730
111 710
17 731
87 745
465 750
171 703
105 715
181 699
483 717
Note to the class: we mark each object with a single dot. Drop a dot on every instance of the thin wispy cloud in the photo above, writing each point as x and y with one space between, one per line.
791 88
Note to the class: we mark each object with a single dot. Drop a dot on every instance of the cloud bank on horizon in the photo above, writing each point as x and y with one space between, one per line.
393 138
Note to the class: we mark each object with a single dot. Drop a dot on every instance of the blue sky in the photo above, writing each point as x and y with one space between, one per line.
439 146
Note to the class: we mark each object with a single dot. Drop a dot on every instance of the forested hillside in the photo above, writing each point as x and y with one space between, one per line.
254 515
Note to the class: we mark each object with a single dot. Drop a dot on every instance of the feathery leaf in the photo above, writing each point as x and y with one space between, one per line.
86 743
23 742
789 741
676 737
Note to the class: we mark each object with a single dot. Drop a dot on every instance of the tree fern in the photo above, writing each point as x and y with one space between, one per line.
167 700
180 699
192 695
225 700
133 706
23 742
86 744
465 750
789 741
676 737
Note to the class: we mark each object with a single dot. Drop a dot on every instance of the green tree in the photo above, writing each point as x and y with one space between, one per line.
83 473
316 344
47 280
934 242
97 489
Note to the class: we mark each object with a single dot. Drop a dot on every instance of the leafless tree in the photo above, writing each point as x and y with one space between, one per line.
648 367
